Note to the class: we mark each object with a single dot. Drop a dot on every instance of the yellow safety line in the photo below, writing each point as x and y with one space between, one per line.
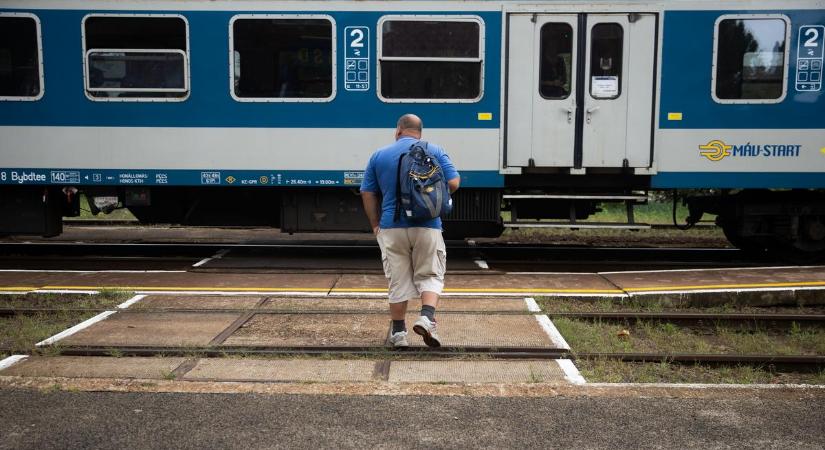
729 286
452 290
189 288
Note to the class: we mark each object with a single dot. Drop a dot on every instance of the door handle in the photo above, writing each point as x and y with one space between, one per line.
570 110
590 112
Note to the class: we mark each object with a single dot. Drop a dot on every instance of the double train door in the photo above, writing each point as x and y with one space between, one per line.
580 90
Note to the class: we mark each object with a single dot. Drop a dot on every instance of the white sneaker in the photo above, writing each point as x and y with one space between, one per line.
399 340
427 329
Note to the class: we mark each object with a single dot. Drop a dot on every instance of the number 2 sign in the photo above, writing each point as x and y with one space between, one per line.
357 60
809 58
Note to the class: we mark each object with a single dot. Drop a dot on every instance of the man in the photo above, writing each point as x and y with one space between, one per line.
413 254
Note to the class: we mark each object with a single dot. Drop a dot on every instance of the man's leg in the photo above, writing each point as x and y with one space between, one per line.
398 313
429 265
395 249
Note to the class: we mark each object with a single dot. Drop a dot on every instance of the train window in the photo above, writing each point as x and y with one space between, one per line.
432 59
606 53
21 62
136 58
282 58
556 60
750 59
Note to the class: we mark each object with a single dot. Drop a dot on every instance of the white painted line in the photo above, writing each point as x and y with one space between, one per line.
220 254
571 372
481 263
82 325
700 386
236 293
632 293
552 332
551 273
532 306
719 269
131 301
91 271
64 291
12 360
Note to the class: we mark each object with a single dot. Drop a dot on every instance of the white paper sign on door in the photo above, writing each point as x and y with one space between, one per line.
604 87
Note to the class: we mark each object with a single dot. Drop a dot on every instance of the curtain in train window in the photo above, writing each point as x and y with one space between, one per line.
282 58
606 53
750 59
430 59
136 57
20 77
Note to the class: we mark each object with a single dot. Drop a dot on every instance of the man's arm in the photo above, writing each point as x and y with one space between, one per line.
372 207
454 184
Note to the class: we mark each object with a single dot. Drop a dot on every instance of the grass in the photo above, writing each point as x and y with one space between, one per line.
658 304
663 337
105 299
612 371
20 333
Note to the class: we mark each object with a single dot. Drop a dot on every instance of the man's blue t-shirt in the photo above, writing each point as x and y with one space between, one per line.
381 175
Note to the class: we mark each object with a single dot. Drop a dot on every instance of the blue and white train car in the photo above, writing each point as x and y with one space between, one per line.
266 112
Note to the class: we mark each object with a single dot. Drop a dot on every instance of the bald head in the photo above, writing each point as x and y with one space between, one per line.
409 125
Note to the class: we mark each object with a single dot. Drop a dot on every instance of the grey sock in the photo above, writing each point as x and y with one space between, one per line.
398 326
428 311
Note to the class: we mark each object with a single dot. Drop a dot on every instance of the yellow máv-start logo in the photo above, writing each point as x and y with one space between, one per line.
715 150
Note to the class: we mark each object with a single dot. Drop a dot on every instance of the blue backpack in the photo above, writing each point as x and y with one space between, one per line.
421 190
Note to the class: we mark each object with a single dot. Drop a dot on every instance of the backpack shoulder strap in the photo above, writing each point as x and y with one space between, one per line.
397 214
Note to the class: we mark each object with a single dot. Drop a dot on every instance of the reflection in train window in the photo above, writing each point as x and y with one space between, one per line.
136 57
426 59
606 53
20 62
750 59
276 58
556 60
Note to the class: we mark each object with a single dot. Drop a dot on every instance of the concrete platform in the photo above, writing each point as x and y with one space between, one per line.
719 279
331 259
379 305
486 330
312 330
547 371
283 370
172 281
196 302
94 367
153 329
540 284
304 370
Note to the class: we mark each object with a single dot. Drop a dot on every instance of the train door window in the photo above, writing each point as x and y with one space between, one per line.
433 59
136 58
750 59
21 60
606 53
282 58
556 60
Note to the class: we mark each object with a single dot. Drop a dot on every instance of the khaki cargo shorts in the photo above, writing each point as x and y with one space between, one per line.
414 259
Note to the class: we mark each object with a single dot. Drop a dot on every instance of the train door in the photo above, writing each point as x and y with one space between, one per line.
580 90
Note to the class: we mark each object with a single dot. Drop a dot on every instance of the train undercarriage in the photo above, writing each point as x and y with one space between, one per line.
788 223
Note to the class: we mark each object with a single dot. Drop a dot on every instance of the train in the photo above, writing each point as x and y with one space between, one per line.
265 112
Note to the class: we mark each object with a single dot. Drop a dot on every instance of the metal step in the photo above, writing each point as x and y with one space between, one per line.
579 225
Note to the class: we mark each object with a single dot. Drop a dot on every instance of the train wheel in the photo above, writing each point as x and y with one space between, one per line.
748 245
